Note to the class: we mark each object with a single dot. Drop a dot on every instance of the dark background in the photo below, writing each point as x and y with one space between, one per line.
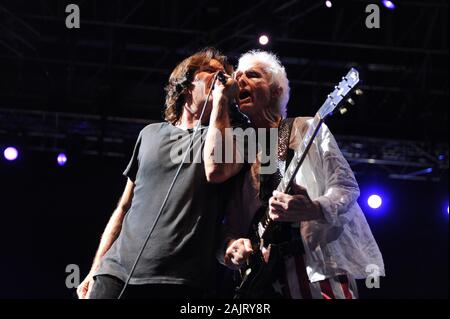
116 65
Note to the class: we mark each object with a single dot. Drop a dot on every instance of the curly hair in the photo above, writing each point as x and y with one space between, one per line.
183 75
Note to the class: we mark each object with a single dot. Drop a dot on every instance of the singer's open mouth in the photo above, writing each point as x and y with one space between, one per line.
244 96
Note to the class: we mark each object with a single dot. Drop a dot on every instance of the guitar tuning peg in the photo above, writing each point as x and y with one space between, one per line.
359 92
343 110
350 101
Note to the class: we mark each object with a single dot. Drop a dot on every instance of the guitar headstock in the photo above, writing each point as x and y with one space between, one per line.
343 95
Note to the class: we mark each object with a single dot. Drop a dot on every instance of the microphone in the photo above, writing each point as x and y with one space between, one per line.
236 116
221 77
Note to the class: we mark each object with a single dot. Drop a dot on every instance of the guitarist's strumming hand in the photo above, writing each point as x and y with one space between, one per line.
294 208
237 252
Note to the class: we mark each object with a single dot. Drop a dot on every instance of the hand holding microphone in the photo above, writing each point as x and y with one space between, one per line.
231 91
230 87
221 77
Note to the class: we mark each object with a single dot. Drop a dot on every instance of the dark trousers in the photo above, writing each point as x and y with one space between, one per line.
109 287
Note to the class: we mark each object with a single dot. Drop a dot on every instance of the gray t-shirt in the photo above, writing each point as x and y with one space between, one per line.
181 247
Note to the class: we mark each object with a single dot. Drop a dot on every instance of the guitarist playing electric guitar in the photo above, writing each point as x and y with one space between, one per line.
308 237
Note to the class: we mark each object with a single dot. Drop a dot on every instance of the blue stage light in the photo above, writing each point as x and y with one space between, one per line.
374 201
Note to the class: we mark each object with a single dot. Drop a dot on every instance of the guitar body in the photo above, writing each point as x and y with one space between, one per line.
263 269
256 283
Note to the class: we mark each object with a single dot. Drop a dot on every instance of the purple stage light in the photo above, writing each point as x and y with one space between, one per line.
374 201
11 153
388 4
328 4
61 159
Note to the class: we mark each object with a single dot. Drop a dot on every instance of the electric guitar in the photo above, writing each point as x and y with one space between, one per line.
257 274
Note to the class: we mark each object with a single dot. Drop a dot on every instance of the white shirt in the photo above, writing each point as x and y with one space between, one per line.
342 243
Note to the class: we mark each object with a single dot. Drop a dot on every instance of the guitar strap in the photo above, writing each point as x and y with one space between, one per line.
269 182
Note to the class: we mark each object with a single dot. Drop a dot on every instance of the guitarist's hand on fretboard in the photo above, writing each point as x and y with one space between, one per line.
237 253
294 208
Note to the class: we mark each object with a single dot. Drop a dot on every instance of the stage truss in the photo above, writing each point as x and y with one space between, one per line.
113 136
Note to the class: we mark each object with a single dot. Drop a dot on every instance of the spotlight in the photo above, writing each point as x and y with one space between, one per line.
263 39
388 4
328 4
374 201
11 153
61 159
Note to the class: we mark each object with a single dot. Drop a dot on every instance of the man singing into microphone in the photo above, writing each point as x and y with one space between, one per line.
177 261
